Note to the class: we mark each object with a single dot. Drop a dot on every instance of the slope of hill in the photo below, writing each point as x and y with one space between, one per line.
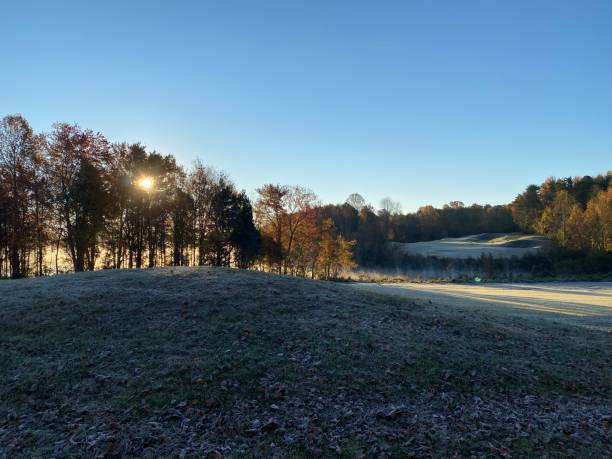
500 245
194 362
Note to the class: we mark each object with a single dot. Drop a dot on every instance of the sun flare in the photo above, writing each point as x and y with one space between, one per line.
145 183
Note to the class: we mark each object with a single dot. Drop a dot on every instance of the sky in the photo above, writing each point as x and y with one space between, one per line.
423 101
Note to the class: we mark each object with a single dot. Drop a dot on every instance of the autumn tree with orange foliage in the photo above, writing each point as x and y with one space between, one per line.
300 241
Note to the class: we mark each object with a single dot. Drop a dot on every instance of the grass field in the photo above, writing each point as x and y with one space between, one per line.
587 304
499 245
214 362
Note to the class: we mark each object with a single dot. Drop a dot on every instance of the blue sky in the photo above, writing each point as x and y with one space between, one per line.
426 102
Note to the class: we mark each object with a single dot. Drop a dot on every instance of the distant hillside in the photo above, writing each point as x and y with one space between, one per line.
205 362
499 245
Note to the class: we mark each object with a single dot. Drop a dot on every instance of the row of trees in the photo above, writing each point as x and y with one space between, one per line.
70 200
574 212
373 229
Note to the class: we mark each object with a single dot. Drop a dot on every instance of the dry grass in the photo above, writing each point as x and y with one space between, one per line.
195 362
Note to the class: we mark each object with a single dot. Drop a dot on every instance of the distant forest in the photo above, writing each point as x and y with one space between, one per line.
72 201
576 213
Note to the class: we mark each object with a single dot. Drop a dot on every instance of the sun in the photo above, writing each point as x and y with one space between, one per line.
146 183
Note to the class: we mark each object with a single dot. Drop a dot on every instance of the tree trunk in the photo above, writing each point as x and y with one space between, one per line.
15 263
79 260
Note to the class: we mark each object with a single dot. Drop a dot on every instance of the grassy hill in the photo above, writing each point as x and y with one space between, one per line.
195 362
499 245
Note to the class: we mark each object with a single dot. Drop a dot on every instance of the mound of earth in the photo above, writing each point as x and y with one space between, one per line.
225 363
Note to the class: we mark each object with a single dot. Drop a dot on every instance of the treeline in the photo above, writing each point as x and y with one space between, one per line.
71 200
373 229
574 212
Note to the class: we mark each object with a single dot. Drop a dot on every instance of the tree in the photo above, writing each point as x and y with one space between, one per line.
270 216
327 249
221 225
390 207
161 175
130 203
584 189
181 211
4 230
344 257
527 209
356 201
576 239
202 184
298 203
598 221
345 217
456 205
553 222
548 191
41 212
18 163
91 200
428 223
371 241
335 252
302 258
116 238
245 238
77 160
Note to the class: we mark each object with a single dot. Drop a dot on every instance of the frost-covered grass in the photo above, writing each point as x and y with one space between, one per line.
587 304
189 362
498 245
